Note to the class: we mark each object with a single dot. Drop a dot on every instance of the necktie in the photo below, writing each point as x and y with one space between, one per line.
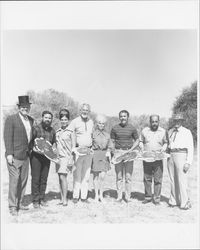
175 131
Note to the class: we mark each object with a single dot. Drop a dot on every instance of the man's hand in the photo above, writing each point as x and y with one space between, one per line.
186 167
108 155
10 159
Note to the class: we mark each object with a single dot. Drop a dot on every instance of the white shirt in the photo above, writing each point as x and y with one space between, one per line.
83 131
27 126
182 139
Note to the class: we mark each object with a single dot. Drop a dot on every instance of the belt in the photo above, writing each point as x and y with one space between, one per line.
178 150
98 149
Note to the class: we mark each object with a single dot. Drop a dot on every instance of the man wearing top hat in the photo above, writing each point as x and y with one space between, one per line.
17 138
181 150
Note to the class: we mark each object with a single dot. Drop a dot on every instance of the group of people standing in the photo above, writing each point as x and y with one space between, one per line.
20 133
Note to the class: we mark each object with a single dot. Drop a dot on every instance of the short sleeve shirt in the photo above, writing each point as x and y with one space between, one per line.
83 131
124 136
153 140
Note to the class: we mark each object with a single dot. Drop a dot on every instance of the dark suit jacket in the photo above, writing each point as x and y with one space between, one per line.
15 137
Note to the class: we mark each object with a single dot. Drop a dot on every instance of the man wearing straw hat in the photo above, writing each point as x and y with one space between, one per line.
17 137
181 149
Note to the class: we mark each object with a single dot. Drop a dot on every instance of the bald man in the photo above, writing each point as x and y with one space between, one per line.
153 138
82 126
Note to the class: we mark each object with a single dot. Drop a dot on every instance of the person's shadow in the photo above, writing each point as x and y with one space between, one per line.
112 193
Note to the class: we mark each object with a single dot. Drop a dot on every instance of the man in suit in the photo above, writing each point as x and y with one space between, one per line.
181 148
17 138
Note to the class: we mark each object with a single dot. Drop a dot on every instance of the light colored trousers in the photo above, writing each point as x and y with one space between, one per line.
82 176
178 179
18 176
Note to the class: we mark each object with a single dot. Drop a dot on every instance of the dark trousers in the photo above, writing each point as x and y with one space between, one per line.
153 170
39 172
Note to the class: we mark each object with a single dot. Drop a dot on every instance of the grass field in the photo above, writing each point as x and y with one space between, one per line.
109 212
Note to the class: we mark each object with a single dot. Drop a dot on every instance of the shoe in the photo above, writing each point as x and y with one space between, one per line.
85 201
23 208
36 205
127 200
170 205
119 200
157 203
146 201
13 211
75 200
187 206
44 204
65 203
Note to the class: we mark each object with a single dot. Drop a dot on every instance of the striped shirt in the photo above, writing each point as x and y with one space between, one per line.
124 136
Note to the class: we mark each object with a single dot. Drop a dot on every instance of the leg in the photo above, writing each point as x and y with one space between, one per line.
23 181
180 160
87 163
77 178
174 187
158 174
63 181
128 178
119 179
43 177
36 166
14 173
147 166
96 185
101 182
60 186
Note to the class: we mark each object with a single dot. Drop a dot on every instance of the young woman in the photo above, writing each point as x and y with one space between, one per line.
65 143
102 147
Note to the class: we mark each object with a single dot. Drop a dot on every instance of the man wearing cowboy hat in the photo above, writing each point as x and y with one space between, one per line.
181 149
17 138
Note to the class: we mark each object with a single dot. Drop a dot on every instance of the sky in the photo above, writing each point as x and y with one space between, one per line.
139 70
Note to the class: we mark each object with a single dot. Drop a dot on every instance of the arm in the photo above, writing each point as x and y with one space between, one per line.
8 139
136 140
165 142
190 148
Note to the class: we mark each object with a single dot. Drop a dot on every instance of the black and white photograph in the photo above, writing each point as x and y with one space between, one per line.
99 125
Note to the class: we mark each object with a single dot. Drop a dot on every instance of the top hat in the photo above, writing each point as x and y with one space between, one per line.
178 117
23 100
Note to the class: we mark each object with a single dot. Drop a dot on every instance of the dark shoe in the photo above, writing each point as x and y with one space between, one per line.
157 203
170 205
36 205
85 201
44 204
75 200
13 211
146 201
23 208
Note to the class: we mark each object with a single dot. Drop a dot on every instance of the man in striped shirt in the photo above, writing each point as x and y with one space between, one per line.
124 137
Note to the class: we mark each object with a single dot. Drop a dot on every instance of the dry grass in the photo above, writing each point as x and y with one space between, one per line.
110 212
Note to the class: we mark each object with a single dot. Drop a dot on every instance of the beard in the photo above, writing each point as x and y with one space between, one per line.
46 123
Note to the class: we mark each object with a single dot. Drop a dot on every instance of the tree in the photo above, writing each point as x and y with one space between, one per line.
186 103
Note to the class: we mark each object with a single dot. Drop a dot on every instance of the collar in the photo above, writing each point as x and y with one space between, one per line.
159 129
98 132
60 129
83 119
23 117
123 126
